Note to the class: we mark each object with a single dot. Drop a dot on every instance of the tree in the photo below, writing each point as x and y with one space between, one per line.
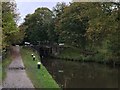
103 30
39 25
9 19
101 20
72 25
58 10
114 37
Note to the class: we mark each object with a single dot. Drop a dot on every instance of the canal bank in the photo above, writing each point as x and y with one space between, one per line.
70 74
75 54
39 77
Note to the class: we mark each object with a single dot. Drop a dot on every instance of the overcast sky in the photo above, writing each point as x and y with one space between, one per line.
28 6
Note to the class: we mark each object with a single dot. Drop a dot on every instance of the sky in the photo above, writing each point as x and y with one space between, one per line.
28 6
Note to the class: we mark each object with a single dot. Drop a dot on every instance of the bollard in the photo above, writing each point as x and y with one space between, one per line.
38 65
32 55
33 58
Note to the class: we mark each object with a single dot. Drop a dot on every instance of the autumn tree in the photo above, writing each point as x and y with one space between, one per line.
114 37
72 25
58 10
101 20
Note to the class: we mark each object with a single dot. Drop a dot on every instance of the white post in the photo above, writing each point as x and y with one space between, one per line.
34 58
38 65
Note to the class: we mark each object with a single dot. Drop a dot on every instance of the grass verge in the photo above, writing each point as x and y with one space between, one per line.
5 63
0 72
39 77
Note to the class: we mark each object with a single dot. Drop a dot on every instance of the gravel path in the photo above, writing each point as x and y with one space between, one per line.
16 75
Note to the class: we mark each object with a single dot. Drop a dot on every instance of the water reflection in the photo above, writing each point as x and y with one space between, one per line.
70 74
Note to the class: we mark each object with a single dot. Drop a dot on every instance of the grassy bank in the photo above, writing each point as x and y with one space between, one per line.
0 72
39 77
5 63
75 54
70 53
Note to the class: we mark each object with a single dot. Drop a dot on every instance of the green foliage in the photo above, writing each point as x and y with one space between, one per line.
58 10
72 25
114 44
9 19
0 25
101 22
39 26
87 26
70 52
92 26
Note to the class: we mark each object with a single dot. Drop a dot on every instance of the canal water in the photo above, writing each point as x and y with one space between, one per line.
70 74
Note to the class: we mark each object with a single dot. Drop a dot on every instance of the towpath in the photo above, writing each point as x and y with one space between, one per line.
16 74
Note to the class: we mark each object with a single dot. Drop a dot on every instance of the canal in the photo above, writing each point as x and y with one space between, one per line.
70 74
